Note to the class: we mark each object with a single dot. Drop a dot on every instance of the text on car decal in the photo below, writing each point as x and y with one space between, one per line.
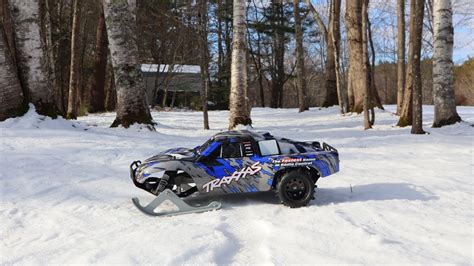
250 170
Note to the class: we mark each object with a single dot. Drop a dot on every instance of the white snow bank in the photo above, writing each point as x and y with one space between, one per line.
32 120
399 198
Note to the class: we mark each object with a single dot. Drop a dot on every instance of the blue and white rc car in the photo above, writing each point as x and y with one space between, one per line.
235 162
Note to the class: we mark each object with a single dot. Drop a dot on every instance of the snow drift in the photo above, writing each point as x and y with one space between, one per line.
399 198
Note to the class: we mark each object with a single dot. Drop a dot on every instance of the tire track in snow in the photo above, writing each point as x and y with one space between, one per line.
367 230
256 235
225 254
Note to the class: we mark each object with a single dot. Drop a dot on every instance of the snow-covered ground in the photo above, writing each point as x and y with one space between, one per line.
399 198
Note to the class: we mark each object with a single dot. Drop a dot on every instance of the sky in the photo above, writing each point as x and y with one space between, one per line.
463 30
383 16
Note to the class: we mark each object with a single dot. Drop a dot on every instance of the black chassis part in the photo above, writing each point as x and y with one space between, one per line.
133 171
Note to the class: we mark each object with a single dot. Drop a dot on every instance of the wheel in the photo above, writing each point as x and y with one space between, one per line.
296 189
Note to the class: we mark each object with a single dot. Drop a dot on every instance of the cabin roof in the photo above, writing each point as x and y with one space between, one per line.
152 68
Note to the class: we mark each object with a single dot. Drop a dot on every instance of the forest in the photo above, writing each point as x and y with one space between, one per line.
73 58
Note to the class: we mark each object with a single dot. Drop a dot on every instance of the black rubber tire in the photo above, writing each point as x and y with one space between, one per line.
296 189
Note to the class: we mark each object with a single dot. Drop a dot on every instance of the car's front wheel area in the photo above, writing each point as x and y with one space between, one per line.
296 188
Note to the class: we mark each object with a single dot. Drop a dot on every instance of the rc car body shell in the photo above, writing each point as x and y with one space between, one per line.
237 162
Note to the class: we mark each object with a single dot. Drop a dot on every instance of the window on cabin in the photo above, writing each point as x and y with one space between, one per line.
231 150
268 147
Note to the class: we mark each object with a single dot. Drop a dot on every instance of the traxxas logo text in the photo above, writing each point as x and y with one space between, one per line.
250 170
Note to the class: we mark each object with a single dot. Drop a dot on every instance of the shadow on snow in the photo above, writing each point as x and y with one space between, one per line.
327 196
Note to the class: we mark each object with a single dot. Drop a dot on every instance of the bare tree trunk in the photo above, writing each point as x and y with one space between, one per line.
365 58
83 97
11 95
356 65
132 106
257 60
220 49
444 103
50 51
31 55
417 127
331 96
173 99
6 23
97 101
400 53
302 99
278 50
374 94
111 95
237 102
74 70
407 105
62 18
334 28
204 58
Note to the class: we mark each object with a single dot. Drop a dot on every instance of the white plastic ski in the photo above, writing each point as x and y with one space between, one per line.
183 207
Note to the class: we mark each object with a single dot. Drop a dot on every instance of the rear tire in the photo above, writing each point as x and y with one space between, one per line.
296 189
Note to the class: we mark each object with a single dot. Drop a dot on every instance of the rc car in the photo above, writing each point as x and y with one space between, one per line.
234 162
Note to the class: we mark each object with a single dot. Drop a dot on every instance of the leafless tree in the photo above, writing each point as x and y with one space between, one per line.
302 99
32 59
444 102
417 127
11 95
356 66
97 102
132 104
204 60
237 104
74 69
400 53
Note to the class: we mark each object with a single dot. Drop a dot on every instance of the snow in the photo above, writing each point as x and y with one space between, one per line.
399 198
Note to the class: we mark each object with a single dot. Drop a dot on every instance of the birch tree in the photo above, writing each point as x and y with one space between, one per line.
132 104
302 99
31 56
444 104
237 102
11 95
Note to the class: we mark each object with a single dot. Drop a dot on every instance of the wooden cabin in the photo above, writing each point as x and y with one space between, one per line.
176 81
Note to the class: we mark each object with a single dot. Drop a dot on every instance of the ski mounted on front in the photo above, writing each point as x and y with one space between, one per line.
234 162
